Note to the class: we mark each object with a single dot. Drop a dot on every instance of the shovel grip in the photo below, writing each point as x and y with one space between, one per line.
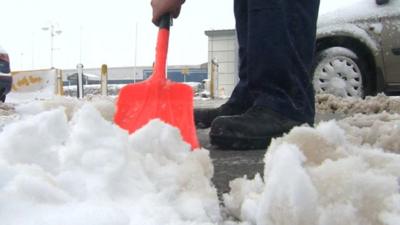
165 21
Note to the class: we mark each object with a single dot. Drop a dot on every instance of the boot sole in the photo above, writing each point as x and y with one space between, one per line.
234 143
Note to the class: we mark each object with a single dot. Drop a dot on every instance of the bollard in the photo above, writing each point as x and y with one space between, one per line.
60 85
79 90
104 80
214 70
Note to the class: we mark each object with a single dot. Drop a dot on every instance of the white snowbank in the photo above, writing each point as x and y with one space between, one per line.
89 171
23 97
377 130
321 176
62 161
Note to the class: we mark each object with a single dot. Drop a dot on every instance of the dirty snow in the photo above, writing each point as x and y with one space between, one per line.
62 161
326 103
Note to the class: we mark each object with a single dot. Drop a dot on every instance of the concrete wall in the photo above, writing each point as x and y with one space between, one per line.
223 48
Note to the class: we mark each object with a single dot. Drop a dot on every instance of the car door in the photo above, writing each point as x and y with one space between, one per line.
391 42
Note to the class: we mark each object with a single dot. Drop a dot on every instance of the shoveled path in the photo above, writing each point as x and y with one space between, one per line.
229 165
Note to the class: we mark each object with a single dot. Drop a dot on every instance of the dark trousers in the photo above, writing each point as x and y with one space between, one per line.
276 47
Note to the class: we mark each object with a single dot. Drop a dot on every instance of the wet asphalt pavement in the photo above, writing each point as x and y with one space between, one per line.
229 165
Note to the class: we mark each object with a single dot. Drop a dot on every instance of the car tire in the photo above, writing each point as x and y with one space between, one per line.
339 71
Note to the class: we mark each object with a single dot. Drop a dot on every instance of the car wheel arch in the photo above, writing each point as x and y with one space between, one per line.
363 51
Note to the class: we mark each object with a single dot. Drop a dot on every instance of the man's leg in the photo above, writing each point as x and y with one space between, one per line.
241 95
280 50
240 99
280 47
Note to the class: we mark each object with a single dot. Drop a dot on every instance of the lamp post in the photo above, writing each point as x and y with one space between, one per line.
53 32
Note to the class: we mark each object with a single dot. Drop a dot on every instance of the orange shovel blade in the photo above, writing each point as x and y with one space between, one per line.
168 101
158 98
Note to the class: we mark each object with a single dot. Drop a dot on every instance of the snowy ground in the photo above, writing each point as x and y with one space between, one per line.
63 161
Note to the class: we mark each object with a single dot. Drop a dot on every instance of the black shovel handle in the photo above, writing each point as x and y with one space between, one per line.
165 21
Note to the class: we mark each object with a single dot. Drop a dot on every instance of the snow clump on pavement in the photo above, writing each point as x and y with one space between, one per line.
63 160
86 170
326 103
325 175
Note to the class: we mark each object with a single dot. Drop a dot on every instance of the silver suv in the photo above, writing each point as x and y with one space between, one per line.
358 50
5 75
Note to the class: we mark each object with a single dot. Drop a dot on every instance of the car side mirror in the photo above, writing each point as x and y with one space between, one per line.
381 2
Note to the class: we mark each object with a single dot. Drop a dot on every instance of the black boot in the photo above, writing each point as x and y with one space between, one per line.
203 117
251 130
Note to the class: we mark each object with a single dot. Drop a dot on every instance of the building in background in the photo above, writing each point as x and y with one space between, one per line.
222 49
190 73
126 75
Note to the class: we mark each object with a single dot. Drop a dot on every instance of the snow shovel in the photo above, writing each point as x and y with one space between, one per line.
157 97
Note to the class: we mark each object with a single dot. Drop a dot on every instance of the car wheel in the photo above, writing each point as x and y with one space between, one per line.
339 71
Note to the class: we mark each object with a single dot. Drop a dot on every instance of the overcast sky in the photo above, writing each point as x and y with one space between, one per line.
103 31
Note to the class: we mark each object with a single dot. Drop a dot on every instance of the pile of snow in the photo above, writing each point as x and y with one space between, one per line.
322 176
11 112
87 170
20 97
63 161
376 130
326 103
